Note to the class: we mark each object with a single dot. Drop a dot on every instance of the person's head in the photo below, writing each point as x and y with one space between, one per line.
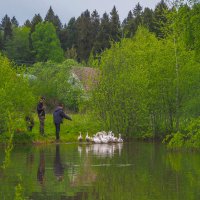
42 98
60 105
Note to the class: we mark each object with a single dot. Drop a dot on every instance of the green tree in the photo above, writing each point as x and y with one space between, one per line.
115 25
143 81
54 19
27 23
84 34
15 95
147 19
160 18
36 20
6 27
18 48
95 22
195 24
14 22
57 83
137 12
46 43
129 27
1 39
103 37
68 35
71 33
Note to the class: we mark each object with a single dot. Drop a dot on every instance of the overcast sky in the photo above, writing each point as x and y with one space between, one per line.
65 9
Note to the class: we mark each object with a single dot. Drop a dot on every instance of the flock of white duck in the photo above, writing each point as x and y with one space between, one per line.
101 137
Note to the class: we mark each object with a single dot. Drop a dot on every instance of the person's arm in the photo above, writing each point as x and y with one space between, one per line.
66 116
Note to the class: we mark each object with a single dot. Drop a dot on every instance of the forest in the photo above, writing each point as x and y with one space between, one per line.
148 68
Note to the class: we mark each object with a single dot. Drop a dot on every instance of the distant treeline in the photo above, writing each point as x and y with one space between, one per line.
88 35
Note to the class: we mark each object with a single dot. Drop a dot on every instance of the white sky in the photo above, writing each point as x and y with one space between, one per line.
65 9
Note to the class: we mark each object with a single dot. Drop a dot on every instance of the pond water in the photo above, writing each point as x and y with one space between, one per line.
128 171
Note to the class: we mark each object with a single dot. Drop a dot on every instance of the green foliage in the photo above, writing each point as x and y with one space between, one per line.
16 96
57 83
189 138
9 145
141 89
177 141
46 43
17 48
19 190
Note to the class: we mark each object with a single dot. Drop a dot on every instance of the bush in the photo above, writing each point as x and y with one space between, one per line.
57 83
16 97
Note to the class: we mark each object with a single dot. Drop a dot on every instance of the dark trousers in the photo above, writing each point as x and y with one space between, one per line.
41 118
57 131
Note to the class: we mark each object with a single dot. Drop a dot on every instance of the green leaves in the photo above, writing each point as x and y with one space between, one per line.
46 43
146 85
16 96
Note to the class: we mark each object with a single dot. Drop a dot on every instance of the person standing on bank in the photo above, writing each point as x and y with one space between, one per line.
41 114
58 116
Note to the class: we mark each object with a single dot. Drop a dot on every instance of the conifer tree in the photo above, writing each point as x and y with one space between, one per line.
84 33
63 37
54 19
137 12
103 37
6 27
14 22
36 20
147 17
160 18
95 20
27 23
1 40
71 33
129 27
115 25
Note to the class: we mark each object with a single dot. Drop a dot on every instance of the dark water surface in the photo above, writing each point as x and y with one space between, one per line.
129 171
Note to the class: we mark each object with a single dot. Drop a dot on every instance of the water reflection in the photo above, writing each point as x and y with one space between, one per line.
101 150
58 166
41 169
103 171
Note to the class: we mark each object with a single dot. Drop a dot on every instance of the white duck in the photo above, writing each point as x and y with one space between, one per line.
80 138
120 139
87 138
96 139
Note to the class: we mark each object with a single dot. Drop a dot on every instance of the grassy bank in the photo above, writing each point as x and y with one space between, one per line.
68 133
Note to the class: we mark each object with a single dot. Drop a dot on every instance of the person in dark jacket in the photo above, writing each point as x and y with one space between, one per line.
58 116
41 114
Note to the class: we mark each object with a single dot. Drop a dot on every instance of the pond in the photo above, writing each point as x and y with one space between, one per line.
128 171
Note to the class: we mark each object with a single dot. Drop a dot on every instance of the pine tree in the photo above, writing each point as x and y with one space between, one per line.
63 38
84 33
95 20
14 22
129 27
103 37
71 33
27 23
147 17
54 19
6 27
115 25
36 20
137 12
160 18
1 39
